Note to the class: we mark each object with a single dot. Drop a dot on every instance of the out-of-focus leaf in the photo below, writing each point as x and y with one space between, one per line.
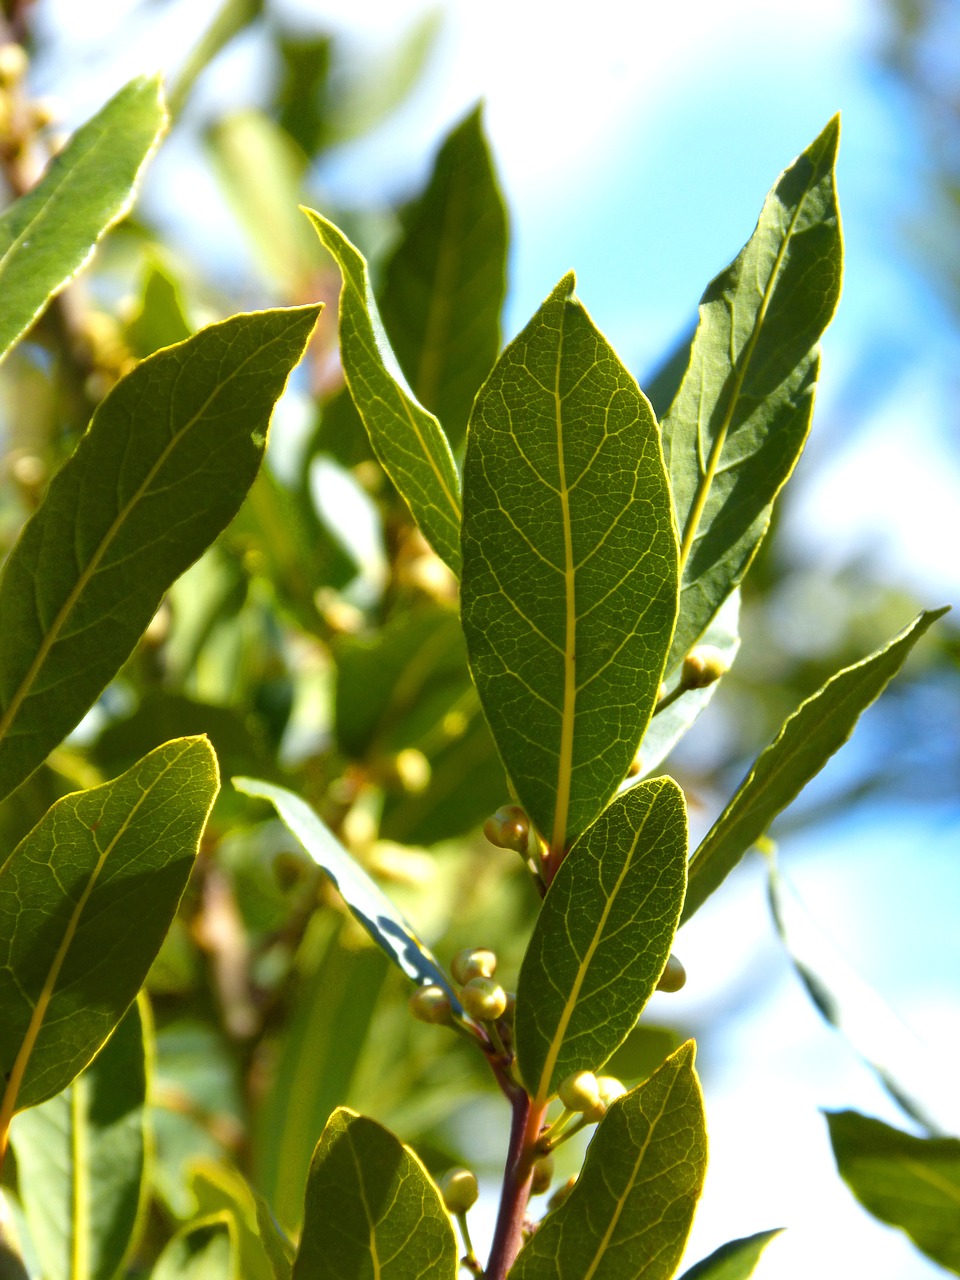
907 1068
81 1161
807 740
569 582
204 1250
644 1050
739 421
368 903
372 1209
629 1213
231 18
602 937
316 1060
162 469
735 1260
48 235
160 319
264 1252
911 1183
444 285
85 900
302 96
407 439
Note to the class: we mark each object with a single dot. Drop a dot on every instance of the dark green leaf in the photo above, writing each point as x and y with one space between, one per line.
163 467
602 937
408 441
368 903
741 416
48 234
161 318
444 285
630 1211
372 1209
911 1183
102 873
81 1161
264 1253
205 1250
569 582
807 740
735 1260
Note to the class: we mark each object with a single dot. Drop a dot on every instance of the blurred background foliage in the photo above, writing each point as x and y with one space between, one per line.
317 642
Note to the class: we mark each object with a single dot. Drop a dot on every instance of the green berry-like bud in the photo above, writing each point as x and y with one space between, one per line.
508 828
579 1091
561 1194
13 64
673 977
542 1175
459 1190
610 1090
483 999
474 962
431 1004
702 666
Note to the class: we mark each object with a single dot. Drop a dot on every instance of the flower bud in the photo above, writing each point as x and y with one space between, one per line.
483 999
579 1091
474 962
508 828
542 1175
610 1090
702 666
674 976
561 1194
431 1004
459 1190
13 64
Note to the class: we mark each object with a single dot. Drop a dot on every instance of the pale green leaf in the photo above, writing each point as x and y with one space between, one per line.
230 19
407 439
372 1210
81 1161
629 1214
162 469
366 900
48 235
735 1260
807 740
602 937
85 901
264 1252
742 413
204 1250
569 576
910 1183
444 284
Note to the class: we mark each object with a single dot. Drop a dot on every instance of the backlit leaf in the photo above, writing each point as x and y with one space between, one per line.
49 234
739 421
263 1251
372 1210
204 1250
569 578
602 937
629 1214
162 469
735 1260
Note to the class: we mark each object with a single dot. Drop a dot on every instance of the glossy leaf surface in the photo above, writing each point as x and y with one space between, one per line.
569 574
81 1161
101 875
162 469
372 1210
741 416
911 1183
444 284
48 234
407 439
602 937
366 900
807 740
735 1260
630 1211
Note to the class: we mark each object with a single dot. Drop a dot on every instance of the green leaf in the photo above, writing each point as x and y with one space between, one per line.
630 1211
407 439
741 416
444 285
735 1260
204 1250
602 937
365 899
905 1065
911 1183
232 17
161 318
372 1209
102 873
81 1161
569 564
316 1061
162 469
264 1253
48 235
807 740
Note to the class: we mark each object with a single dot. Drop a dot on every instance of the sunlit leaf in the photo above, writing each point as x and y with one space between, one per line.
264 1252
204 1250
735 1260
